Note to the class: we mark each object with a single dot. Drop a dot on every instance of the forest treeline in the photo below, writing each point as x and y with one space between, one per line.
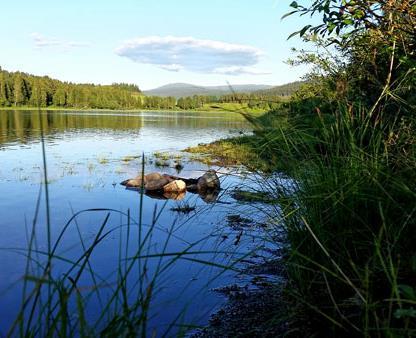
19 89
22 89
287 89
253 101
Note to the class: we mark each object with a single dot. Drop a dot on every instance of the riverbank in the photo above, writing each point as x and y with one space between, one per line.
258 309
249 313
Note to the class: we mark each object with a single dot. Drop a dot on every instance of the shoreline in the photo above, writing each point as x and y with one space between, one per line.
259 308
255 113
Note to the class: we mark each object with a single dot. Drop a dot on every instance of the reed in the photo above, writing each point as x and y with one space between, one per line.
350 223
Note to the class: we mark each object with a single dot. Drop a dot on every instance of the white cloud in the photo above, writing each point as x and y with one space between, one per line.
42 41
196 55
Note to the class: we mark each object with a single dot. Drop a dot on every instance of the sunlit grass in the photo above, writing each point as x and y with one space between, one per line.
350 222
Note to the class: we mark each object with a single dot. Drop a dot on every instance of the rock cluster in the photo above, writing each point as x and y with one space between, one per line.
159 185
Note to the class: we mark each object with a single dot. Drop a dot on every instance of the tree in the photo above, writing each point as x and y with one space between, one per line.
59 98
18 90
377 41
39 94
4 91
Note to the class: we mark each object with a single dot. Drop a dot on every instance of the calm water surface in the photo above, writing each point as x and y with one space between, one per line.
88 154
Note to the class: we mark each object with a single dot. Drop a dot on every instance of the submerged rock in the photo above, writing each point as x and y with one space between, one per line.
172 187
209 180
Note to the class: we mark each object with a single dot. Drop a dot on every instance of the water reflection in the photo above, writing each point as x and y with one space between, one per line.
24 126
88 154
208 196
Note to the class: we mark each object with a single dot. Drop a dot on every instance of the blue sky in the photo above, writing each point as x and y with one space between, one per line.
150 43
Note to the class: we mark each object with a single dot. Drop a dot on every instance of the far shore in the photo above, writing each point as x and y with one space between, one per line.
199 110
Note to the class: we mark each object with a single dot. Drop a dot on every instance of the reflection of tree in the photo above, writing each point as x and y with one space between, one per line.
24 126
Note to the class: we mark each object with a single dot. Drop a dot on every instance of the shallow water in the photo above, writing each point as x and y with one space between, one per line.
88 154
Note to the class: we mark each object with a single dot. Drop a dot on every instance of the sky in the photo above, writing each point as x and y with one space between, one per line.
151 43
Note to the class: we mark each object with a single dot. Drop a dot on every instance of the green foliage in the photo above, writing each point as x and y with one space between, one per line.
21 89
344 20
282 90
350 222
372 58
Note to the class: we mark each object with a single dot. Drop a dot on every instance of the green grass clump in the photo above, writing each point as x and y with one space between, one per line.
184 208
161 156
351 222
103 160
252 196
230 152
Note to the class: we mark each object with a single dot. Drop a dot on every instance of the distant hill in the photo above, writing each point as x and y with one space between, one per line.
186 89
282 90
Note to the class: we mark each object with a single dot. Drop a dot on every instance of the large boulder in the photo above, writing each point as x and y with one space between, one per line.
209 181
175 186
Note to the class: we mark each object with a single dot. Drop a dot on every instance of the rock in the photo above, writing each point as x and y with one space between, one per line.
172 187
137 181
209 181
133 182
169 177
156 184
151 177
174 195
193 188
175 186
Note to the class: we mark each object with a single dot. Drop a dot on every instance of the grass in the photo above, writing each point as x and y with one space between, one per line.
162 156
350 223
232 107
184 208
228 152
103 160
253 196
128 158
161 163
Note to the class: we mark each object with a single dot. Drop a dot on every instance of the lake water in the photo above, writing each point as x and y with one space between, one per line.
87 155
